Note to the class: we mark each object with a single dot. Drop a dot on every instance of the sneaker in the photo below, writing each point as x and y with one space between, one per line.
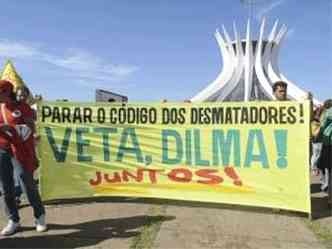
41 224
11 228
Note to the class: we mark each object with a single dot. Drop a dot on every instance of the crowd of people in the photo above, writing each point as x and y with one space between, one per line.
18 159
321 135
321 160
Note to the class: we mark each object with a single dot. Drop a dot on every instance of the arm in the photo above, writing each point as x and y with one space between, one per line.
325 121
29 117
31 123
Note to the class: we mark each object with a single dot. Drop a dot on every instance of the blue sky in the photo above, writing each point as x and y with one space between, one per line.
153 49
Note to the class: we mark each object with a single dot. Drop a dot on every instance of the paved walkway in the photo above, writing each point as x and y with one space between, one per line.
119 222
85 225
196 228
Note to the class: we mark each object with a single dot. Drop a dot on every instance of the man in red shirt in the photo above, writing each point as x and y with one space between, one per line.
16 140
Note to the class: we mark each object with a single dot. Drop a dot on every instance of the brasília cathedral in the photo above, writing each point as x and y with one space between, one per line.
250 67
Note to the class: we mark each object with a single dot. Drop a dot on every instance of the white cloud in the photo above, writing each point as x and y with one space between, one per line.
267 8
16 49
90 66
79 63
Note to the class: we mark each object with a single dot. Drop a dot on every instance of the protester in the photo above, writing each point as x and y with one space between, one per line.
316 144
22 95
280 90
325 137
16 140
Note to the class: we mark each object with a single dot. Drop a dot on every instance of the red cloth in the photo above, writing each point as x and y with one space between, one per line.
23 151
6 87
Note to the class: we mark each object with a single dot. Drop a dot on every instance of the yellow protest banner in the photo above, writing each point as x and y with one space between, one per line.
254 153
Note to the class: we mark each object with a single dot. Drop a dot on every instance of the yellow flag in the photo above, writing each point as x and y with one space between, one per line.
9 73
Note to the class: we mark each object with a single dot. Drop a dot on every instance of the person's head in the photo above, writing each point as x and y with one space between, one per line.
22 94
280 90
38 97
6 91
327 104
308 96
